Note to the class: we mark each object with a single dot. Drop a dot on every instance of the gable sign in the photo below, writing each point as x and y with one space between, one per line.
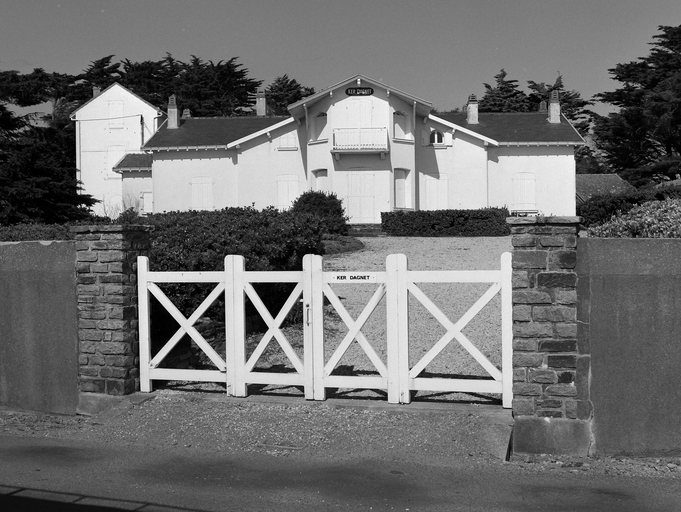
359 91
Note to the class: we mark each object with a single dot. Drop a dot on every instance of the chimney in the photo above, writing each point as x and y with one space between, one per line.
172 114
96 91
260 104
186 114
542 107
472 110
554 108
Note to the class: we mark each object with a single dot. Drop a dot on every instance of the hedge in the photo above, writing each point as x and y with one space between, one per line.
602 208
327 207
484 222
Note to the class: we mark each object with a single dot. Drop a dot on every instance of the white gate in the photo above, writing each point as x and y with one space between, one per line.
314 371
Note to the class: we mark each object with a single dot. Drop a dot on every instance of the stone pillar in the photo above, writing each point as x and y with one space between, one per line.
106 275
551 407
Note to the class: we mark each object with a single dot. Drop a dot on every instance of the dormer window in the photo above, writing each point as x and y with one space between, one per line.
437 138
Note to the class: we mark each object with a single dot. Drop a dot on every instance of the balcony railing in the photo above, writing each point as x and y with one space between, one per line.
348 140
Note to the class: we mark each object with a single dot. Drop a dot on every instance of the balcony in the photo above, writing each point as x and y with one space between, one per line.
360 140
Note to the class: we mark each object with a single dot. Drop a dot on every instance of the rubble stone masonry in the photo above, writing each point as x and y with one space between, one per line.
550 371
106 275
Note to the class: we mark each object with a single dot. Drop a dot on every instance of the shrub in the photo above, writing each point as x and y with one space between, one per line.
484 222
654 219
601 208
327 207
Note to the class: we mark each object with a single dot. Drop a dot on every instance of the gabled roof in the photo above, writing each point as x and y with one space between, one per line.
115 84
519 128
589 185
134 162
297 109
210 132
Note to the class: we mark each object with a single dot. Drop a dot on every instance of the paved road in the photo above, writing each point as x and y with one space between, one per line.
43 474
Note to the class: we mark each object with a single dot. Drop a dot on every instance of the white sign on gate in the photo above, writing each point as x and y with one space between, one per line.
351 277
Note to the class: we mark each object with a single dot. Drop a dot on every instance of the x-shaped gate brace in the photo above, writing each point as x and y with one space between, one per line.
187 326
454 331
354 330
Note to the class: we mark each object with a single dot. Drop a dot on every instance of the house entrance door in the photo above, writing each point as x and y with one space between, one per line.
361 197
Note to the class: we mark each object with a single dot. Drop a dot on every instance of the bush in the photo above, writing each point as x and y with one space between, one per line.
654 219
601 208
327 207
484 222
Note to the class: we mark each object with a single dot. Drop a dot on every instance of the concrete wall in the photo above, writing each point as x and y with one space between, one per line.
38 327
629 314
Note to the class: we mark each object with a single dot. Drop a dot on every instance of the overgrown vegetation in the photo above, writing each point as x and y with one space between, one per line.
654 219
484 222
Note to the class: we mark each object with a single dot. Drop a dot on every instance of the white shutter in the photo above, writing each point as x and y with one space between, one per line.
401 188
524 192
287 190
202 193
321 180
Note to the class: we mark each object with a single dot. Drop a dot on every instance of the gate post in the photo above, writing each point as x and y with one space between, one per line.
551 406
397 329
313 327
106 273
235 326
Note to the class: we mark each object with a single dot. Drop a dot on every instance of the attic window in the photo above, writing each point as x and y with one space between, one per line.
436 138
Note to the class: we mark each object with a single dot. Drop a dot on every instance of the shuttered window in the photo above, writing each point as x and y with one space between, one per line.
202 193
524 192
287 190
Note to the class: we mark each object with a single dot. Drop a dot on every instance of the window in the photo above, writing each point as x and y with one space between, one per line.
288 142
116 114
287 190
147 203
524 192
320 126
436 138
321 180
401 126
202 193
402 189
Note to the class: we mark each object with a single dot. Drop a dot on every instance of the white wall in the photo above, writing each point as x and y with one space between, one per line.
102 140
554 171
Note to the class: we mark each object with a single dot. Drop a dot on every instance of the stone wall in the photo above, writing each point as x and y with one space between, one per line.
551 370
106 275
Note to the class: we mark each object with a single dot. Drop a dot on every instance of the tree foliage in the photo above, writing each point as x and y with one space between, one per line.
505 96
647 126
282 92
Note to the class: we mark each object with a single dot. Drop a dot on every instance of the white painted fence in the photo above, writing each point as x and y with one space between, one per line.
314 372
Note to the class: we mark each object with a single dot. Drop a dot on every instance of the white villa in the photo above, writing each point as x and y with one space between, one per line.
378 148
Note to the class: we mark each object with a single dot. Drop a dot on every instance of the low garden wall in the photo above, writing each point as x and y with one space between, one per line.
38 326
629 315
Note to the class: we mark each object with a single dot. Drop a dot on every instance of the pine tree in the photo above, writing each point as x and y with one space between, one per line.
504 96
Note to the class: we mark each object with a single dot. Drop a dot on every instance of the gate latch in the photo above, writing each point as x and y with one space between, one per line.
307 314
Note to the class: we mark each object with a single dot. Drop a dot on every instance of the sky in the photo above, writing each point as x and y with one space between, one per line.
438 50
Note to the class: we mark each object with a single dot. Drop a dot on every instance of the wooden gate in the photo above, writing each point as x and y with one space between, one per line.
314 371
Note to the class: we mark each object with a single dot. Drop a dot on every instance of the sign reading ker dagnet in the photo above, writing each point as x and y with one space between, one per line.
350 277
359 91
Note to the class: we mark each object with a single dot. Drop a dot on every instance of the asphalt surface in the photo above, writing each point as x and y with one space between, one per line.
47 474
53 470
